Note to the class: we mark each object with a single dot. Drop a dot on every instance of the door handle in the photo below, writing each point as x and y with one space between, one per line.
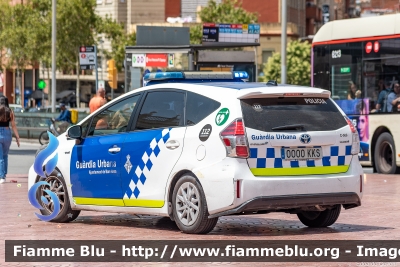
172 144
114 149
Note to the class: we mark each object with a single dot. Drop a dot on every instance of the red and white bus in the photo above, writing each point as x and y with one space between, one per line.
358 60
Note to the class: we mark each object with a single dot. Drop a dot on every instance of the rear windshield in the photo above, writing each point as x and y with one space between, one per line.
304 114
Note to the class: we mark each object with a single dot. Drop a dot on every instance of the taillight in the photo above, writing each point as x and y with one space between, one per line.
355 145
234 139
350 123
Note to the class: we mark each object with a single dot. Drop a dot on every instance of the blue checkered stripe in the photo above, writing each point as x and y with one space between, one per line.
272 158
143 169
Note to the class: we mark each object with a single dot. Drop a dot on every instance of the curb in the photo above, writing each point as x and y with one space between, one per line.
29 141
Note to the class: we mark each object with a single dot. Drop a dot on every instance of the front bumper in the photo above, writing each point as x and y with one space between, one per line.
288 202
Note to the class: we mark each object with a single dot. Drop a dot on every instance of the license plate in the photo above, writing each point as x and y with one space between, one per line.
301 153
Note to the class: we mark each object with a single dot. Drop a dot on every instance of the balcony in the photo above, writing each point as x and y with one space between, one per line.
313 12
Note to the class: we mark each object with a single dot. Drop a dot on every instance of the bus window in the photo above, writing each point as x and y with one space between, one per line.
344 82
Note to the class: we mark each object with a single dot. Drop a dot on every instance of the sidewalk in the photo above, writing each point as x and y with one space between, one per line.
17 178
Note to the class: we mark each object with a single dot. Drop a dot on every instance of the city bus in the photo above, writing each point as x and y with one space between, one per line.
358 60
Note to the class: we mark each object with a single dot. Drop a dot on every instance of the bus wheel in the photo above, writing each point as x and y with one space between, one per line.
385 154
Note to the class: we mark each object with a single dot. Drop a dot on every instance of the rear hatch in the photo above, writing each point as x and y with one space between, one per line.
296 135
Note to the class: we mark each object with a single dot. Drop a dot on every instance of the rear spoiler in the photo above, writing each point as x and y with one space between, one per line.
294 92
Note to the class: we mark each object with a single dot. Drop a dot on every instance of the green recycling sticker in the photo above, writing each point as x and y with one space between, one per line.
222 116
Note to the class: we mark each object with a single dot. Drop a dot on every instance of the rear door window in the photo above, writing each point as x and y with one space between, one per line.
309 114
161 109
198 107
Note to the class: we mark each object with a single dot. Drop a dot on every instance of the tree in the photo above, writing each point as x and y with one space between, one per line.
119 40
21 33
298 64
229 11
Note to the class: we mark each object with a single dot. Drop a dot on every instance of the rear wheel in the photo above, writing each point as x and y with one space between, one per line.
385 154
190 207
320 218
44 138
57 186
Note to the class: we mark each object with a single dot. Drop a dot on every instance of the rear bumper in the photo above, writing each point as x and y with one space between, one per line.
287 202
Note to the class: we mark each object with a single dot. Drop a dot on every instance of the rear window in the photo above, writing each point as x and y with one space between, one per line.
309 114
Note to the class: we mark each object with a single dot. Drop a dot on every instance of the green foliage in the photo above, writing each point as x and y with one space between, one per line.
119 40
25 30
298 64
76 26
229 11
21 34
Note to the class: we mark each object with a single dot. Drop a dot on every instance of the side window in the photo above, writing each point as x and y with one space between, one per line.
160 110
198 107
114 119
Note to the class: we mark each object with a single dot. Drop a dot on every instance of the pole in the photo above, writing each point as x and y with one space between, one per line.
283 40
126 75
53 56
256 61
95 66
191 65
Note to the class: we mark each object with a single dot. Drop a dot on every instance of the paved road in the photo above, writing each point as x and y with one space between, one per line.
377 219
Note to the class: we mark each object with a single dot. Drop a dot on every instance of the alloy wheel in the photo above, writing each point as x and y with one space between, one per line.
56 187
187 203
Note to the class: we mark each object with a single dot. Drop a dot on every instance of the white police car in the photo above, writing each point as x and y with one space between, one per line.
197 146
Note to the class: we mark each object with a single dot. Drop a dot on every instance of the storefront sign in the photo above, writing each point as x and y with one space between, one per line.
157 60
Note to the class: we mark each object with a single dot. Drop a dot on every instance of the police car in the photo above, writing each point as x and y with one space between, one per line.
196 146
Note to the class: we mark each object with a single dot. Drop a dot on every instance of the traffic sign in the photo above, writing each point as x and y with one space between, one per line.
87 57
138 60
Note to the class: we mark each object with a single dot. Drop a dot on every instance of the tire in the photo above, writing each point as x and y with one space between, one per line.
320 218
200 224
43 138
385 154
58 186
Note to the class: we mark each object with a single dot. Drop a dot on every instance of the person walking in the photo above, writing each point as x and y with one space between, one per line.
98 100
6 116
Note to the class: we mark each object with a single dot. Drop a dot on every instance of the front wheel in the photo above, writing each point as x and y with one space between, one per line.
385 154
57 186
190 207
44 138
320 218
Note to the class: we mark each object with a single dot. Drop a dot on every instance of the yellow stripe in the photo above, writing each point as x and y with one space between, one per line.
119 202
298 171
99 201
148 203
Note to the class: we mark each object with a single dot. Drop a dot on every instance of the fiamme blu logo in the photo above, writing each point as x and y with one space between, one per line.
44 171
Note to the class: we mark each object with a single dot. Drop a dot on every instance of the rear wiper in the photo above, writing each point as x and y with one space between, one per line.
289 127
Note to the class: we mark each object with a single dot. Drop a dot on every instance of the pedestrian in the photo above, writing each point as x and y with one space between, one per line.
65 114
6 116
394 99
381 105
98 100
352 91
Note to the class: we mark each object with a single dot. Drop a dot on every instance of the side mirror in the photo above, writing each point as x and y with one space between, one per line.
75 132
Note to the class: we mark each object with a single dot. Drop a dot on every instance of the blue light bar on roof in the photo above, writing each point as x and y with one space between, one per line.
241 74
196 75
163 76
